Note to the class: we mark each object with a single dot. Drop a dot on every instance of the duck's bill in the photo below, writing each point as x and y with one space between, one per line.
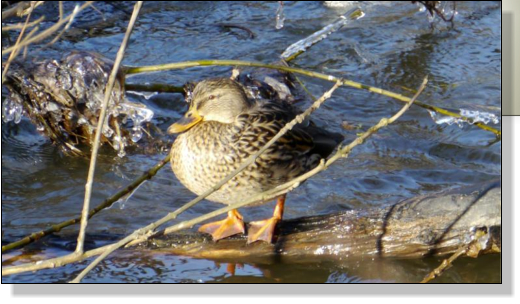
184 124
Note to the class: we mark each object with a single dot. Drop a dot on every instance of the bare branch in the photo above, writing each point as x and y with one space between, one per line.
146 231
289 186
48 32
350 83
21 9
19 26
101 122
105 204
472 248
17 44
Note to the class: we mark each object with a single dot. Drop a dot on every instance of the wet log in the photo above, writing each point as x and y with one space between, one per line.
437 224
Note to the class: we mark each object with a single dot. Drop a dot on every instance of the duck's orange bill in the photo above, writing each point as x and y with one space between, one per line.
185 123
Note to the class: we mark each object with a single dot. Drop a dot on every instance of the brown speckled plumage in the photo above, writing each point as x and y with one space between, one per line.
208 151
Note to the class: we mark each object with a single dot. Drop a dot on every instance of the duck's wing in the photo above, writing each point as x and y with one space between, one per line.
256 128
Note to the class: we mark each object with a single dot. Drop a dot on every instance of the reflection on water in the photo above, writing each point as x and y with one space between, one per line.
392 47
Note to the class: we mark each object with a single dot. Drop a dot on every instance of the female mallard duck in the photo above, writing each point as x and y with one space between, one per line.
221 129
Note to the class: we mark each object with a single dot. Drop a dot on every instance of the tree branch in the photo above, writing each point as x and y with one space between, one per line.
105 204
51 30
188 64
99 129
51 263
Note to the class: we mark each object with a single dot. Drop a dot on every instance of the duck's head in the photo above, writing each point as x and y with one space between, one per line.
220 99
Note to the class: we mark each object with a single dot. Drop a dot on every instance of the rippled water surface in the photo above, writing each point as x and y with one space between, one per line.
392 47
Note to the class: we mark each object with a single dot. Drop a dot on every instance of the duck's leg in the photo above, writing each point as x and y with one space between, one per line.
233 224
264 230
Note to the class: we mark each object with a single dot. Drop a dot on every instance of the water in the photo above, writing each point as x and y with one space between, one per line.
392 47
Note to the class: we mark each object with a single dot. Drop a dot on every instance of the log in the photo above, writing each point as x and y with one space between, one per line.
437 224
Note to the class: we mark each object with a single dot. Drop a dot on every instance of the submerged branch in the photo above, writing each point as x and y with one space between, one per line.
105 204
472 249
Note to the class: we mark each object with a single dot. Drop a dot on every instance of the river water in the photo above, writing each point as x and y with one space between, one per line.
392 47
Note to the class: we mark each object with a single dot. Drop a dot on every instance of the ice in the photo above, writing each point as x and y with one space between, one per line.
280 16
82 121
254 92
339 3
477 116
18 113
302 45
107 131
137 134
442 119
12 109
448 11
122 201
446 8
122 152
52 107
146 95
422 8
472 118
73 89
63 79
119 145
139 114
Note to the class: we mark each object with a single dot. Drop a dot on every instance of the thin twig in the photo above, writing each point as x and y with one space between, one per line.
101 122
17 44
60 9
51 263
143 233
66 28
20 9
51 30
298 119
447 263
197 63
137 235
105 204
19 26
290 185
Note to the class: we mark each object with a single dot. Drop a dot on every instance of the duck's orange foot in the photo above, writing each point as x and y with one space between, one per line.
262 230
232 225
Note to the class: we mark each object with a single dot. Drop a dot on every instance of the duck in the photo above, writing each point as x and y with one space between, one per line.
222 127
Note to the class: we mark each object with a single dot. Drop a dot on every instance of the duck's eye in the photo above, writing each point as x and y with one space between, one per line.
211 97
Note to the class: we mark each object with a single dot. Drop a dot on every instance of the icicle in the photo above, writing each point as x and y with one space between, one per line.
303 44
139 114
280 16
